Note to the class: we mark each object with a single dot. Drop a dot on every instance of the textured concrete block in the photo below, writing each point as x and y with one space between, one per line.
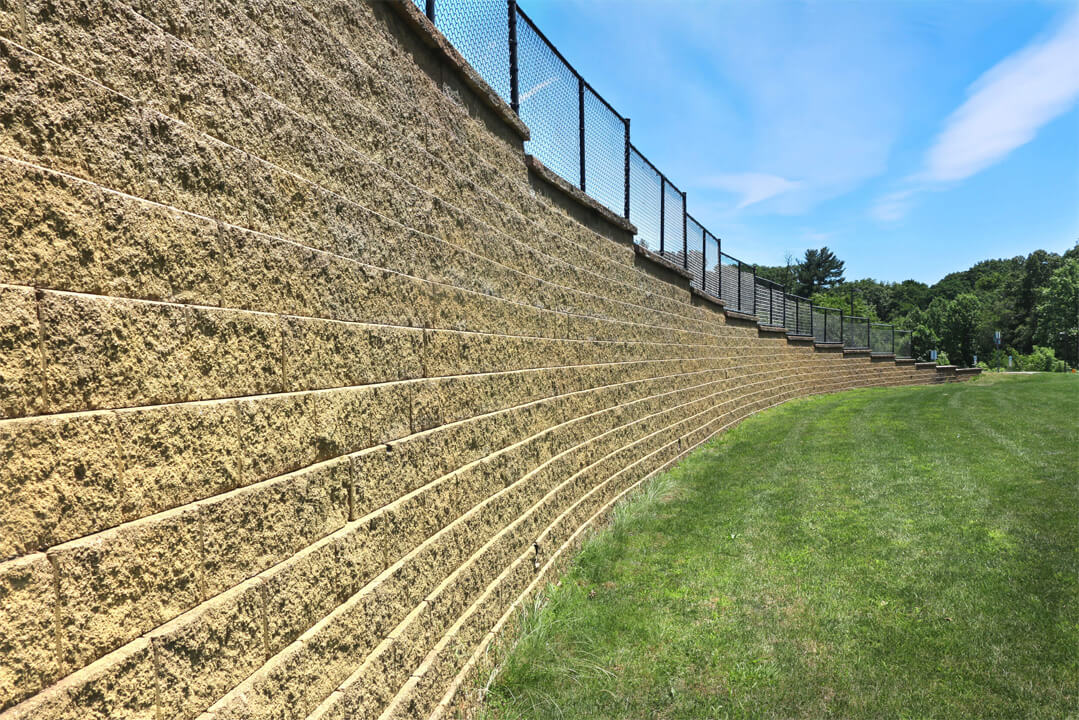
204 653
21 369
67 234
121 583
103 352
175 454
27 629
326 354
301 591
60 476
120 685
251 528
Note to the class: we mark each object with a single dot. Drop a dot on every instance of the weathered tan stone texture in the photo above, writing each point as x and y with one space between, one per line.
121 583
120 685
27 628
204 653
61 479
249 529
21 373
176 454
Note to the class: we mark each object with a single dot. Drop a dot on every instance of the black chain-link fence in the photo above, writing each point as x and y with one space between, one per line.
881 338
827 324
581 137
902 344
855 332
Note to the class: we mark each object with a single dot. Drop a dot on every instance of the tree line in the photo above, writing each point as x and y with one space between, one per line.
1031 300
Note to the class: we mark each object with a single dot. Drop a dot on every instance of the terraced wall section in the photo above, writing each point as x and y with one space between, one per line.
306 375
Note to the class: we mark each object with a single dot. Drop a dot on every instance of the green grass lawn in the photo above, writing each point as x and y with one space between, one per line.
887 553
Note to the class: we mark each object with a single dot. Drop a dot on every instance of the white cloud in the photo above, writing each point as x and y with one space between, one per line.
892 207
1004 110
1007 106
752 187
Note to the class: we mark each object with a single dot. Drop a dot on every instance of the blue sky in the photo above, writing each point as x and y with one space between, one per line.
913 138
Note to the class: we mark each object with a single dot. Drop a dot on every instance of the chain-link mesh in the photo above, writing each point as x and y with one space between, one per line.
902 344
550 103
553 99
645 186
736 284
880 338
769 302
674 211
604 153
799 316
827 324
695 240
711 265
479 29
855 332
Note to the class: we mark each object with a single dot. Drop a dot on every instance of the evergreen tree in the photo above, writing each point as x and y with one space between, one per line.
820 270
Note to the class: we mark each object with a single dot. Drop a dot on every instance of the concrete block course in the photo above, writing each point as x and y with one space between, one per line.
306 377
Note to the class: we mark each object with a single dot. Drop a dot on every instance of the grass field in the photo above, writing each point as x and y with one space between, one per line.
894 553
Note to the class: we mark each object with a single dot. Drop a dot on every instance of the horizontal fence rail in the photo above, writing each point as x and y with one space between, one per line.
581 137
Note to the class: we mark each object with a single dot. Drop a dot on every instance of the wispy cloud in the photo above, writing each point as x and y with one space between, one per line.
1004 110
1008 105
751 187
892 207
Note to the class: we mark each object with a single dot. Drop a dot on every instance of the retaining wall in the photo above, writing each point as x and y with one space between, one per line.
305 376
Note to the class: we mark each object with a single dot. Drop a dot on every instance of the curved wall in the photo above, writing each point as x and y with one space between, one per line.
305 377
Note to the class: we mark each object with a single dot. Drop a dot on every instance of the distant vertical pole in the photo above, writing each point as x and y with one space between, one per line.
704 259
719 265
662 212
627 168
754 289
515 99
580 123
739 285
685 234
431 10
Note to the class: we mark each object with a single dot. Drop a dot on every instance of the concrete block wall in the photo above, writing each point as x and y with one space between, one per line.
305 379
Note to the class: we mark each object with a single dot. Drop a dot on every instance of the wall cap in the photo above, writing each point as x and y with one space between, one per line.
663 262
857 351
772 328
741 316
696 292
549 176
433 38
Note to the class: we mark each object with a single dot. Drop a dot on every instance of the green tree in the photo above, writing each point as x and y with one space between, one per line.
1057 311
820 269
958 321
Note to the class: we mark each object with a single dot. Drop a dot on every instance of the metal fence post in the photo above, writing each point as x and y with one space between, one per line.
719 266
754 289
430 11
627 168
515 99
685 234
580 107
739 285
868 333
842 327
704 259
812 330
662 211
893 339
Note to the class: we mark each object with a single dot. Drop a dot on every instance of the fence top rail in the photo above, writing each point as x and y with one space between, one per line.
882 325
733 258
772 283
567 63
856 317
792 296
647 161
826 309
